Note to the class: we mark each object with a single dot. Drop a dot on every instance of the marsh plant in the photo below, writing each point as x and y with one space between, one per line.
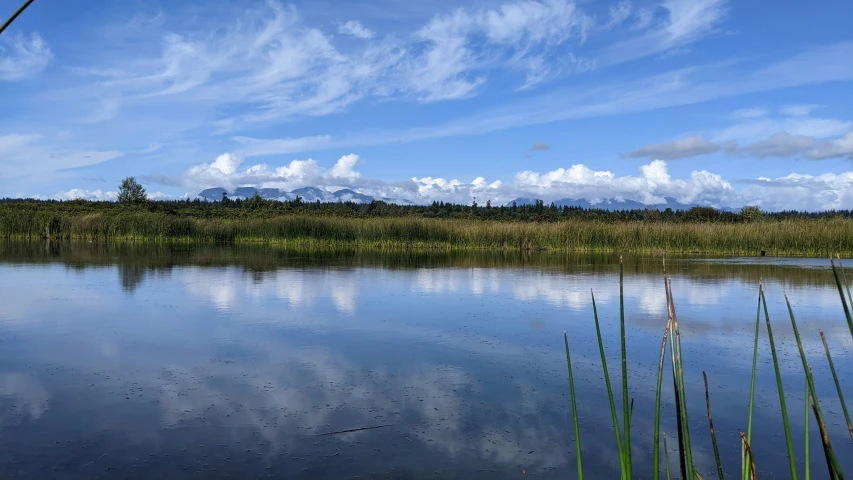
671 350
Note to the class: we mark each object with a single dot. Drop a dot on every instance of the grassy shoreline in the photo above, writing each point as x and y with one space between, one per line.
794 237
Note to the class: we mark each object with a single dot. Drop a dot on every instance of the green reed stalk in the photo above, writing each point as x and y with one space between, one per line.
626 416
813 392
840 282
844 280
711 426
666 457
609 389
837 385
807 474
656 472
744 469
781 390
574 407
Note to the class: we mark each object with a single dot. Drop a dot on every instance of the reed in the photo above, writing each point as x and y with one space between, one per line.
785 237
619 446
835 469
751 459
807 460
837 385
626 413
841 283
711 427
671 339
744 469
685 449
574 408
656 472
780 388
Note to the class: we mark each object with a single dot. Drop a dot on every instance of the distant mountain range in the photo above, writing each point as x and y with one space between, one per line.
613 204
312 194
307 194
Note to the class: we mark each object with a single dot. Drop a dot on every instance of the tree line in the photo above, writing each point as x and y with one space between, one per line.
132 196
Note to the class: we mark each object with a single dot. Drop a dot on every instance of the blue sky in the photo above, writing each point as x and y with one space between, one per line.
709 101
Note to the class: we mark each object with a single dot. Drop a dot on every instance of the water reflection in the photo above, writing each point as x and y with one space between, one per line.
216 361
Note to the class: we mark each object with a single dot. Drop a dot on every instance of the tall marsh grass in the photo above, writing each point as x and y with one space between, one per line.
672 340
788 237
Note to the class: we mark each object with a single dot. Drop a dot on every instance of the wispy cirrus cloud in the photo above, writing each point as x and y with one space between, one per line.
22 56
278 66
355 29
33 153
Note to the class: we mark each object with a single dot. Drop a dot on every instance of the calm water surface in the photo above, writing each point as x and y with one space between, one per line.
209 362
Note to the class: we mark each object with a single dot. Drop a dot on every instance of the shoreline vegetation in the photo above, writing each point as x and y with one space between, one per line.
438 226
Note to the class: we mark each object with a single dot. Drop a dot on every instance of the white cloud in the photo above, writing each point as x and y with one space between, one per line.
760 135
618 13
803 192
643 19
842 147
757 129
681 148
81 194
22 56
34 154
225 172
797 110
280 67
754 112
343 168
251 147
780 144
94 195
685 22
651 185
689 19
355 29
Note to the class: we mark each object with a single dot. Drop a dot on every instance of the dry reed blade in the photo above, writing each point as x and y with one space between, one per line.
574 407
711 427
813 393
785 423
675 340
837 385
748 450
824 438
676 391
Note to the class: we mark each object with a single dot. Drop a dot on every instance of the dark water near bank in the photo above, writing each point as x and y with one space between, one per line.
209 362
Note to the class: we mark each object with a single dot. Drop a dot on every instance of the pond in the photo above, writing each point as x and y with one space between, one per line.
161 361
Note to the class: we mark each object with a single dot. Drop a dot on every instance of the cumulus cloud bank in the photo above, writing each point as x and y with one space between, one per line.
650 185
